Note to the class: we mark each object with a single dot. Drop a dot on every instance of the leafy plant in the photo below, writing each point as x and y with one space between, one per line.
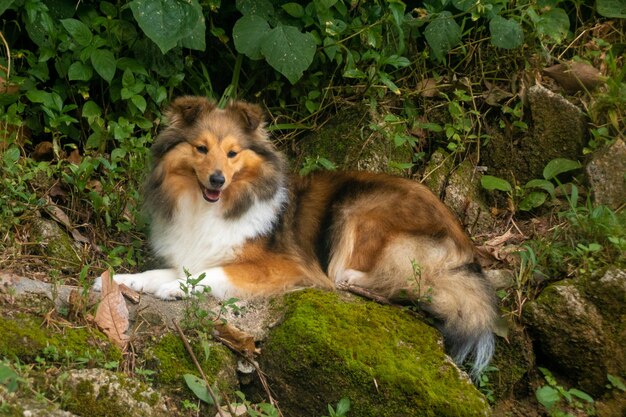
535 192
554 398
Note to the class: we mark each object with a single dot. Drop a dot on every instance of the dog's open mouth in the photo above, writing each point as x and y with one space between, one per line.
210 195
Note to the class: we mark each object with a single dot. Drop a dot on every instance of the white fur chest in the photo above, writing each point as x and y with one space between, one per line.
197 237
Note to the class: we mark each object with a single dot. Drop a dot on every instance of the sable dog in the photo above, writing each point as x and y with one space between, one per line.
222 204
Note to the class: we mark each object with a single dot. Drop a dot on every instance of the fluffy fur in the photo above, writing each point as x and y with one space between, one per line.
221 204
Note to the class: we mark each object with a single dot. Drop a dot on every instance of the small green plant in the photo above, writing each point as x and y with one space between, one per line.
535 192
9 377
558 401
343 406
615 382
485 385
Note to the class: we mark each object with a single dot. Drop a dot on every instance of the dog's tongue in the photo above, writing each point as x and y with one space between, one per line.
210 195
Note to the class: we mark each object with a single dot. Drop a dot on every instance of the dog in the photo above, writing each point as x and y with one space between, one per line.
223 205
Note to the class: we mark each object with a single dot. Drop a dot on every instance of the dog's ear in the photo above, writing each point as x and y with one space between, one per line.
184 111
252 116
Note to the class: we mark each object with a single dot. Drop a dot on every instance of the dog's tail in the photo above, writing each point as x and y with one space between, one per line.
464 304
447 284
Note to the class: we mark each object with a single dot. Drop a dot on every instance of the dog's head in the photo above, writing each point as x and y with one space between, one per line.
223 155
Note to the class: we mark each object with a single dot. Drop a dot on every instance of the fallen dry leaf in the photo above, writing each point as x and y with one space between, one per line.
112 313
132 295
428 87
575 76
59 215
236 339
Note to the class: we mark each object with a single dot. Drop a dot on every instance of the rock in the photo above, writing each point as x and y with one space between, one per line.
460 190
463 196
12 404
559 127
387 362
100 393
56 246
606 172
580 327
558 130
349 141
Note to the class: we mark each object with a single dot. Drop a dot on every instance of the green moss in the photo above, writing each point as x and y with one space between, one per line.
171 361
24 337
83 401
387 362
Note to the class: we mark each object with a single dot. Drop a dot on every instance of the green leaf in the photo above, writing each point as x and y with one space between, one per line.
11 156
532 200
505 33
547 396
79 72
490 183
293 9
38 96
198 387
131 64
248 34
288 51
262 8
197 38
5 4
139 102
442 34
104 63
396 61
78 30
166 22
558 166
542 184
553 24
616 382
464 5
612 8
581 395
343 406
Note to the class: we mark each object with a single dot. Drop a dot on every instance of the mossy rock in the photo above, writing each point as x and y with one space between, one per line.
387 362
169 358
55 245
23 337
348 141
102 393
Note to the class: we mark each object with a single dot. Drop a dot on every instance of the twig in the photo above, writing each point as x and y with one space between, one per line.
364 293
195 361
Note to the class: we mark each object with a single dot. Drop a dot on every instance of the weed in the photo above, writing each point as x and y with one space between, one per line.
558 401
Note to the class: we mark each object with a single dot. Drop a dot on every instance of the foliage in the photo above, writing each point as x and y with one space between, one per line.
554 398
534 193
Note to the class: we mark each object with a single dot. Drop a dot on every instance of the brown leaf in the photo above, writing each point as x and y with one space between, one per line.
132 295
59 215
494 94
43 152
74 157
112 313
428 87
575 76
236 339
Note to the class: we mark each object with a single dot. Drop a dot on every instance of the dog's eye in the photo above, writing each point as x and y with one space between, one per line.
231 154
202 149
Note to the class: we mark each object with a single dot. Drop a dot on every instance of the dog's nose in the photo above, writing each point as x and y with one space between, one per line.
217 179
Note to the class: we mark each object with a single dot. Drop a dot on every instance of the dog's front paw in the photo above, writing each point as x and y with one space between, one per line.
97 284
169 291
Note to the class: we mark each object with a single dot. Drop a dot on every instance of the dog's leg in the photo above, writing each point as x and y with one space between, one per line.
148 281
268 274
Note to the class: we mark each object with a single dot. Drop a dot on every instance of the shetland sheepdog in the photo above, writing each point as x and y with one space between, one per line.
222 204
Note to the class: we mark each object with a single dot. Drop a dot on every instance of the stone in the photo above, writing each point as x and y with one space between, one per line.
386 361
100 392
56 246
349 141
606 172
579 327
